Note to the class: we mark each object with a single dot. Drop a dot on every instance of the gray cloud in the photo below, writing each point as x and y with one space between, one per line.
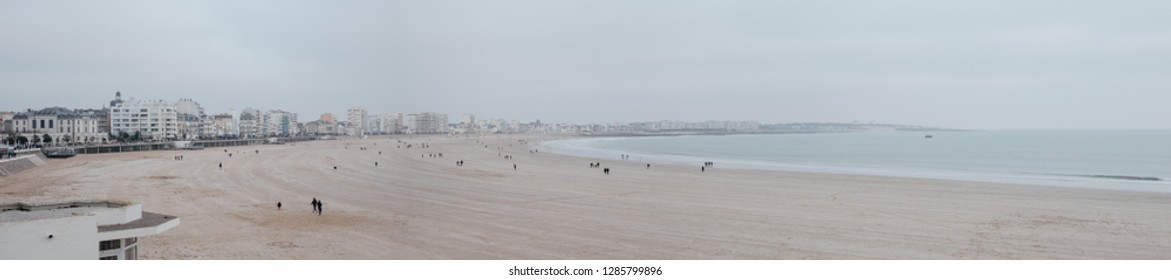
985 64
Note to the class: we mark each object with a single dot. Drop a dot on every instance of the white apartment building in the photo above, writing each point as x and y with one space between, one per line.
392 123
356 121
61 124
278 123
190 119
222 125
249 126
427 123
86 230
154 119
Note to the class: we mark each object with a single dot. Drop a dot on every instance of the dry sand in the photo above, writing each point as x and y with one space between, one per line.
556 207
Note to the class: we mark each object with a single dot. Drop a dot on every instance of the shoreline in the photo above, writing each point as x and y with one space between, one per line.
412 206
565 146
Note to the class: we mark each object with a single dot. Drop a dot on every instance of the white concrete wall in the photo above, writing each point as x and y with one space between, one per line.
74 238
121 215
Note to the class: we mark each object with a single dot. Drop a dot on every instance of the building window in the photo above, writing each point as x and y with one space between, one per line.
110 244
131 241
132 253
109 258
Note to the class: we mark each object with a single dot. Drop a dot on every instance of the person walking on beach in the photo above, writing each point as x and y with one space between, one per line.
514 167
314 203
221 165
375 164
320 207
278 205
701 169
648 166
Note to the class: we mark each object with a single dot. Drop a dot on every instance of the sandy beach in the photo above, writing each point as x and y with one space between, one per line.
415 206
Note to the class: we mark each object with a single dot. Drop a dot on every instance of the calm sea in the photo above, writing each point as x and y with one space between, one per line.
1115 159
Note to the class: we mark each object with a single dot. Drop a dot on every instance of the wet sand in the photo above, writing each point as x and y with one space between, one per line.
556 207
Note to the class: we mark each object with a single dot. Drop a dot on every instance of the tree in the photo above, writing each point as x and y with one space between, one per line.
36 140
21 139
123 136
48 140
137 136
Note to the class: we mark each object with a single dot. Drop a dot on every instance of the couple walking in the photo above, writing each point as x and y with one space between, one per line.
317 206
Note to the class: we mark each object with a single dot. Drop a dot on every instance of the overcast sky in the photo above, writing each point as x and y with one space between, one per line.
959 64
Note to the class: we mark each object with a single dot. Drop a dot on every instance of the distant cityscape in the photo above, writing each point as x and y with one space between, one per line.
138 120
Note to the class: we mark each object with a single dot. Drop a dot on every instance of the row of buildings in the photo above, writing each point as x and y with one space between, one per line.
143 120
185 119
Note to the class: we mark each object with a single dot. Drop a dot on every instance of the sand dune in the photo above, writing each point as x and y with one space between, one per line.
412 206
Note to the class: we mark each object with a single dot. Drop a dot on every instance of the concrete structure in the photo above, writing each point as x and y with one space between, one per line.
22 162
427 123
77 230
154 119
327 117
356 121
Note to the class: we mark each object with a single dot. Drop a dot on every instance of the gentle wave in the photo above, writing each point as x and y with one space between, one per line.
1003 157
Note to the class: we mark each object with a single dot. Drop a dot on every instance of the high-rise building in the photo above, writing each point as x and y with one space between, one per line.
278 123
222 125
190 119
327 117
249 124
469 123
392 123
356 121
427 123
469 119
154 119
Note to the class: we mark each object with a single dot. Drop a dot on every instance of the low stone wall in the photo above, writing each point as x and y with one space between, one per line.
12 166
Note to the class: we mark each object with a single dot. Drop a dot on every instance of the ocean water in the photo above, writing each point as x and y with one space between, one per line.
1113 159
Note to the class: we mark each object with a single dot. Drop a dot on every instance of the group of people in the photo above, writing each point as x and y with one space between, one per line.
625 156
459 163
595 164
179 157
